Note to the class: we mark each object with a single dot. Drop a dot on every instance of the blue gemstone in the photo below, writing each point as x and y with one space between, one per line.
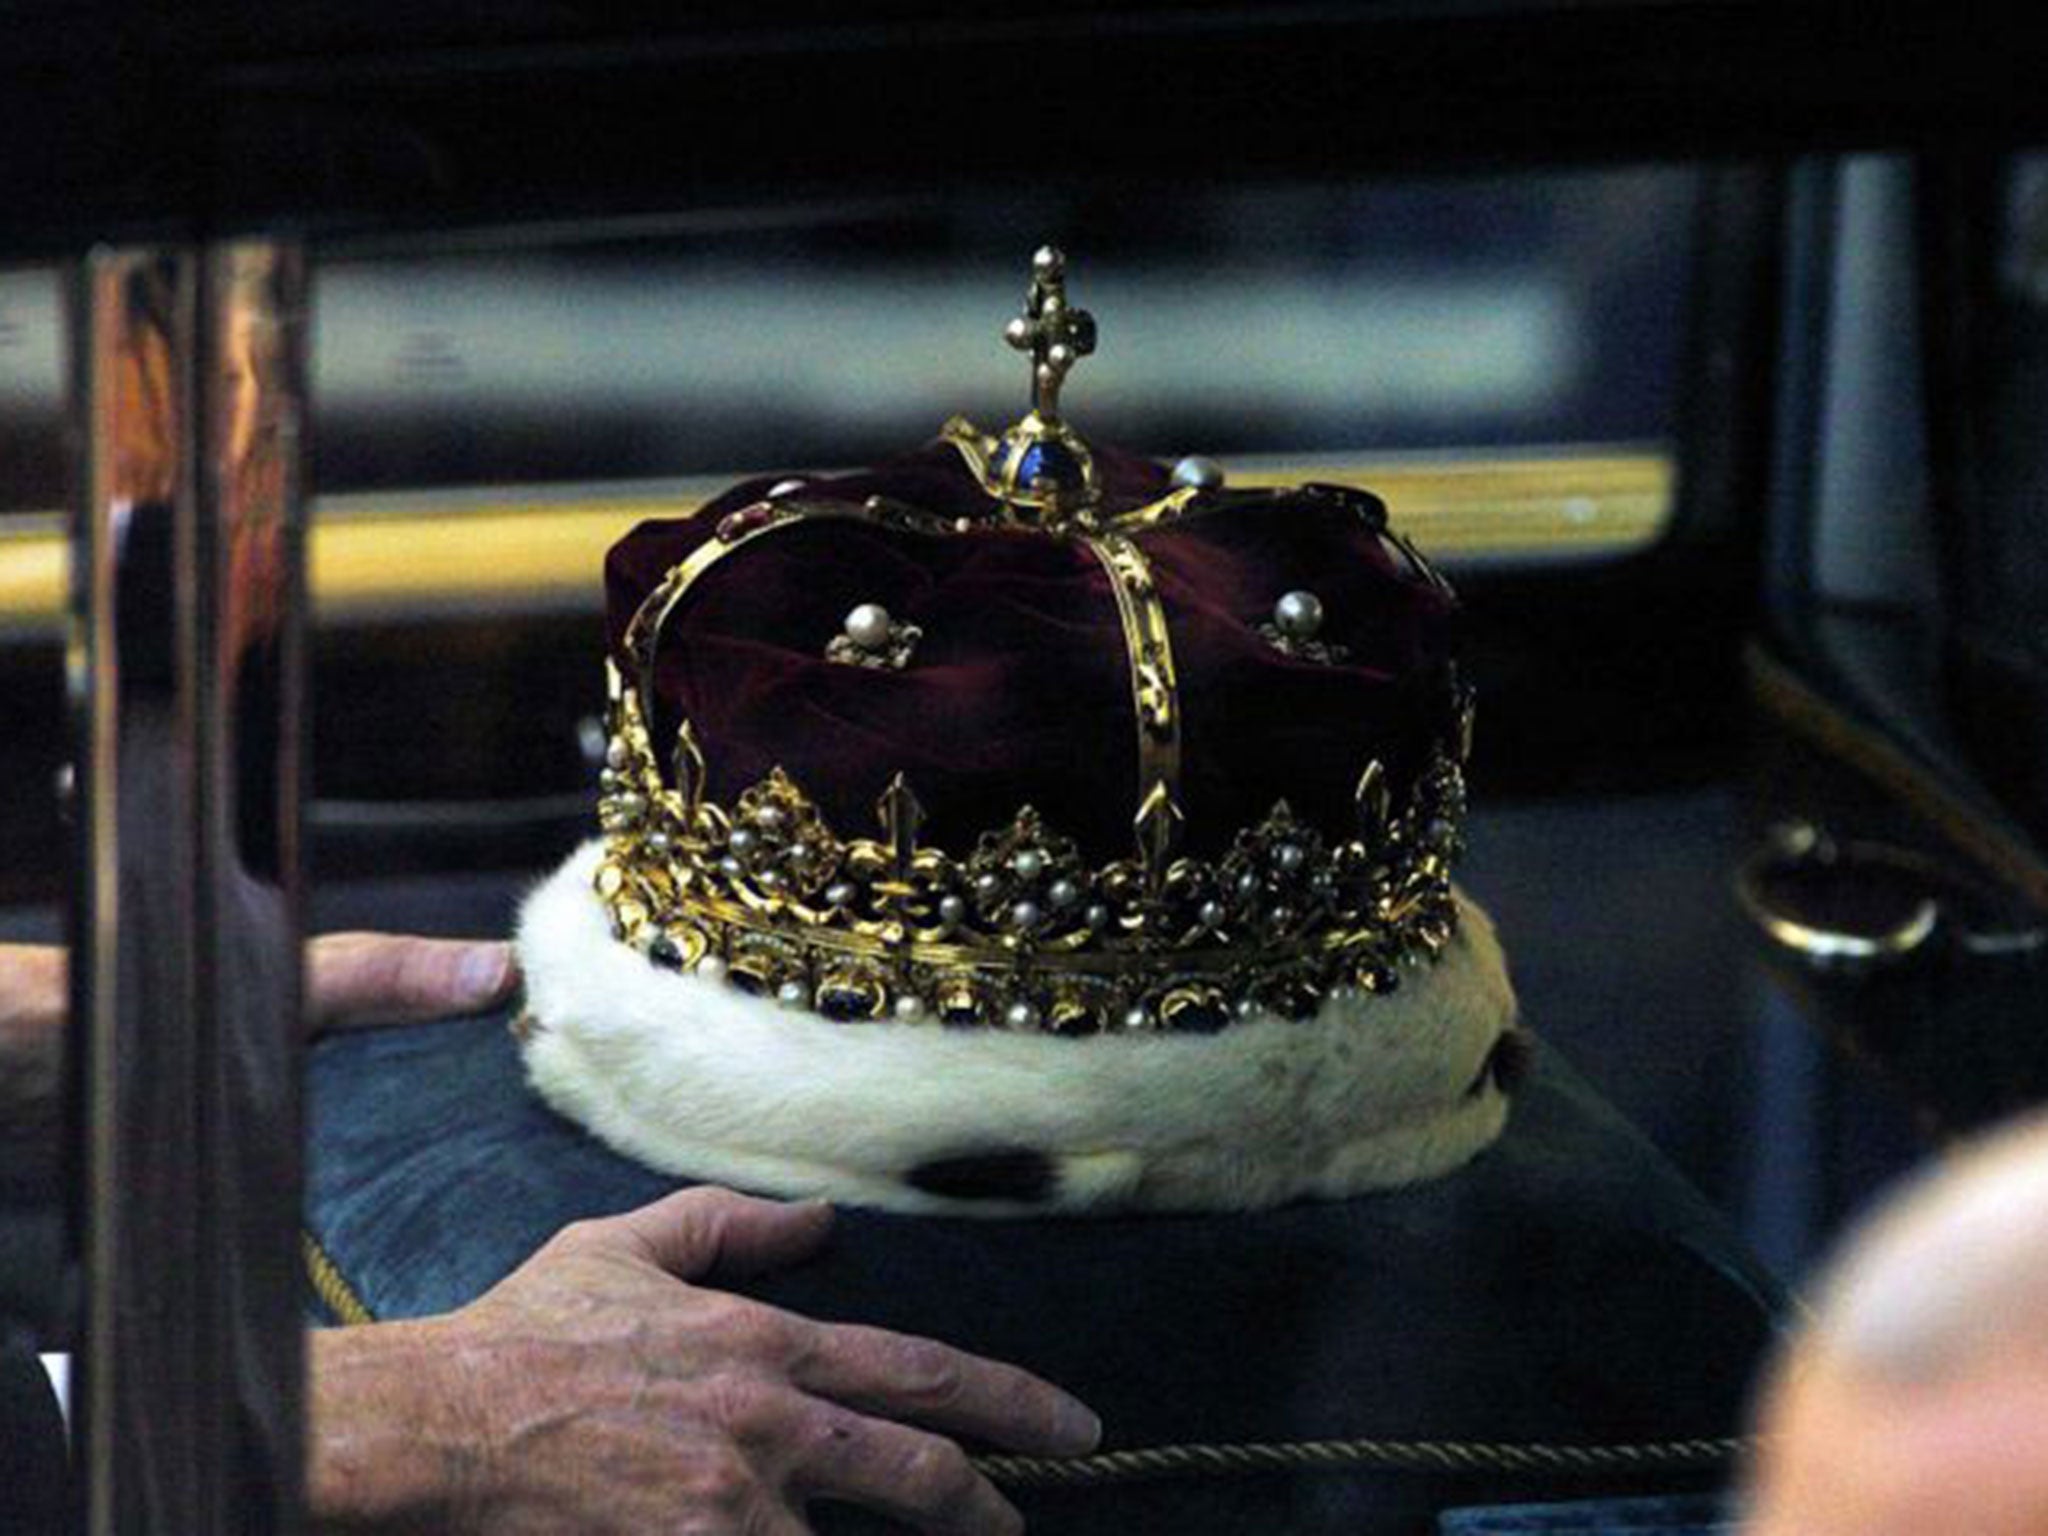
1048 461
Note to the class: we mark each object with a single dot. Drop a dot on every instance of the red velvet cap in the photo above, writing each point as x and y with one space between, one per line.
1018 692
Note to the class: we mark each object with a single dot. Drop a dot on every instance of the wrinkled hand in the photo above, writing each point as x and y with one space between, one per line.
363 980
353 981
597 1390
31 1019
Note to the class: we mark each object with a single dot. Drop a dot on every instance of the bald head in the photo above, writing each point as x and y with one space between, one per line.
1917 1399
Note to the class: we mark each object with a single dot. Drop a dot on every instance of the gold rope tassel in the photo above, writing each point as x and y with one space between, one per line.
1359 1455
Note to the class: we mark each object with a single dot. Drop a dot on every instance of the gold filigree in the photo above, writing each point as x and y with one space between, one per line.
1022 933
1155 687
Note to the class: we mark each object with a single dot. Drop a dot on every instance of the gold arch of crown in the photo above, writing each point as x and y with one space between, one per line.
1020 933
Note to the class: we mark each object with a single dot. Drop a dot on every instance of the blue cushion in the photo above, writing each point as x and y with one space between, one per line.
1679 1515
1567 1288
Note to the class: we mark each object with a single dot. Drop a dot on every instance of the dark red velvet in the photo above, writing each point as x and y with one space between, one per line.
1019 692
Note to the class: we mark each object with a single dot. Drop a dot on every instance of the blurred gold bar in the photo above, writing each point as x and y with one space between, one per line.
496 550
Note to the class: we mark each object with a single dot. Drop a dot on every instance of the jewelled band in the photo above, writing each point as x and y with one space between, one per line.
1021 933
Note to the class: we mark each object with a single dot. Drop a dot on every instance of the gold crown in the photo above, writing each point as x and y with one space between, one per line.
1020 931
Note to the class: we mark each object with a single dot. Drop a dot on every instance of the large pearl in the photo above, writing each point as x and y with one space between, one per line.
869 626
1196 473
1298 615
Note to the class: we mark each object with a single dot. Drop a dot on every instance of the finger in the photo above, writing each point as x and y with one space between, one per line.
32 985
903 1377
921 1479
698 1231
358 980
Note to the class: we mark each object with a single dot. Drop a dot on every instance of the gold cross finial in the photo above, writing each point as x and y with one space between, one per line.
1055 335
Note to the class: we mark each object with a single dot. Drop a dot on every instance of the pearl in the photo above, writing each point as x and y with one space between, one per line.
1198 473
1098 915
987 885
952 911
1212 914
1024 916
869 626
712 968
615 754
769 818
1029 864
730 867
1063 893
741 840
1020 1015
792 994
909 1007
1298 615
839 895
1289 856
1136 1018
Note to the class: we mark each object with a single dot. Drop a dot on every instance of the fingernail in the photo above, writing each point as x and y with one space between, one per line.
1076 1429
484 972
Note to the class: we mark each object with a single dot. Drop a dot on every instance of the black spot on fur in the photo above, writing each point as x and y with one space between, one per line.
1506 1064
1005 1173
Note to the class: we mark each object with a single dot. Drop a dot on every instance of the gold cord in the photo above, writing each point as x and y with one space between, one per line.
330 1285
1228 1460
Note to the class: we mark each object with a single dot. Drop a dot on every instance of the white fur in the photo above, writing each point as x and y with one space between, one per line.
699 1080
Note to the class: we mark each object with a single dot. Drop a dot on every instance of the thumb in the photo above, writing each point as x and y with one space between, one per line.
357 980
697 1231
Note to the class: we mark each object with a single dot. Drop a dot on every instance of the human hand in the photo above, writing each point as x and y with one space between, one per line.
32 981
597 1389
353 981
365 980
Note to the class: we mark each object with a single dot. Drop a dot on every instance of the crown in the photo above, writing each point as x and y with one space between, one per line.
1095 748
